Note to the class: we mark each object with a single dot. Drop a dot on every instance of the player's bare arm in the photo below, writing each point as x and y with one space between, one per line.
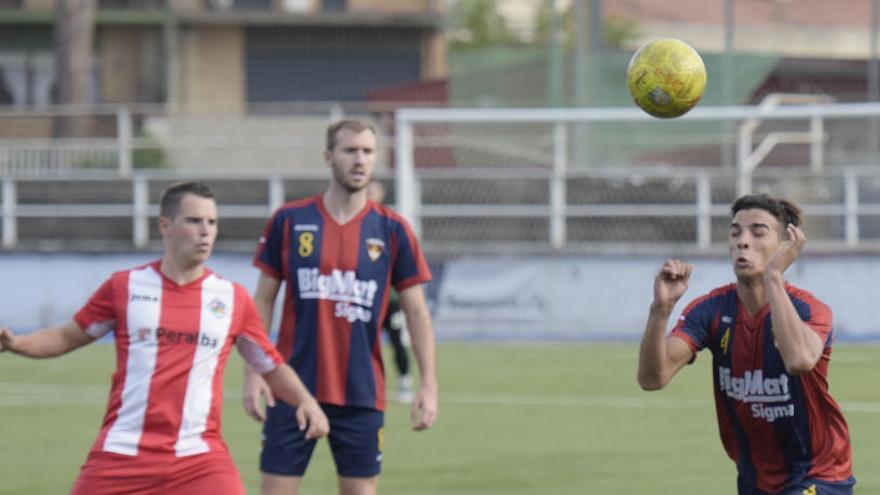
45 343
286 385
418 319
660 357
255 388
799 346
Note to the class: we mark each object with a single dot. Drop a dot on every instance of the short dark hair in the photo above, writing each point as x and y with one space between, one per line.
169 204
785 211
357 126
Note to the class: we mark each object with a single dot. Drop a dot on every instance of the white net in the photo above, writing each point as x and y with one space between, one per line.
611 180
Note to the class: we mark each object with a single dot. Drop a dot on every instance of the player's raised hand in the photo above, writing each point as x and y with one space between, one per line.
788 250
255 390
311 418
671 282
6 338
423 414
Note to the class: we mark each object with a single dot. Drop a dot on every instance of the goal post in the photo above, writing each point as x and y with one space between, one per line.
552 168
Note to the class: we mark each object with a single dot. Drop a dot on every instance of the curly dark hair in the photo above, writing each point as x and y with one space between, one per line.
785 211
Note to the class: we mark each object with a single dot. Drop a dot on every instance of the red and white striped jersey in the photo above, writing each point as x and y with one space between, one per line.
172 342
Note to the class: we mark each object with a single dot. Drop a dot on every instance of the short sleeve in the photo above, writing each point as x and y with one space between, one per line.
272 242
410 267
98 317
816 314
695 323
253 343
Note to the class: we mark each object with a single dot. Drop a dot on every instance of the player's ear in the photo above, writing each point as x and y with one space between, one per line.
784 235
164 223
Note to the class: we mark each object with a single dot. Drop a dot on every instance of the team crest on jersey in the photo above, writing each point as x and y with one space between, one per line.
217 308
375 247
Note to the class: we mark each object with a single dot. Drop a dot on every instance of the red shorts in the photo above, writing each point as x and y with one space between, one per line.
105 473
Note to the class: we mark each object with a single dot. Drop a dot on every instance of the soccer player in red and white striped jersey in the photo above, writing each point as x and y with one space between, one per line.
174 323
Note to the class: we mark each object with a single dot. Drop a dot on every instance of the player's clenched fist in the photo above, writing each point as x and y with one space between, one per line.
5 339
671 282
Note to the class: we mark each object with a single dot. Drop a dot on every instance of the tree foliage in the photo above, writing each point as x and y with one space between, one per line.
478 23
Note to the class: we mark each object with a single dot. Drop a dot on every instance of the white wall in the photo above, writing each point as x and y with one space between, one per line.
490 297
608 296
47 289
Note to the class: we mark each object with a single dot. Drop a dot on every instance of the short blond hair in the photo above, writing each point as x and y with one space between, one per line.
353 125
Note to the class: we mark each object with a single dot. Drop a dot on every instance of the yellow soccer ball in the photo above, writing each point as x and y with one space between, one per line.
666 78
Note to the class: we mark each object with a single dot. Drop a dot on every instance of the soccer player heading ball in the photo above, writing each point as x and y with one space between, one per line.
770 344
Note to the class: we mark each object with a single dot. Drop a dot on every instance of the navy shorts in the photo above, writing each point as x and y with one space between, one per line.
806 487
355 441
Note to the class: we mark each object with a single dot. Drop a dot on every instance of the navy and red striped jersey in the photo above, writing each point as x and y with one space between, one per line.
337 283
779 428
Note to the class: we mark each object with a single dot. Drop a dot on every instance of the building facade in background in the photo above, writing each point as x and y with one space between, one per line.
229 57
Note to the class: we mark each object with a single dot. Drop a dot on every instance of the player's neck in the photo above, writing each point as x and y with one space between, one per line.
343 205
181 273
751 293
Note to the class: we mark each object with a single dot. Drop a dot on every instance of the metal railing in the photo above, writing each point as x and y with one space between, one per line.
108 147
531 194
646 210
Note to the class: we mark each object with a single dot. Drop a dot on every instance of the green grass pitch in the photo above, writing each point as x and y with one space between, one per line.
515 418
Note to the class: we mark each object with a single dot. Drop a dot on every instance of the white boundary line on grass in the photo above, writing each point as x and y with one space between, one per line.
569 400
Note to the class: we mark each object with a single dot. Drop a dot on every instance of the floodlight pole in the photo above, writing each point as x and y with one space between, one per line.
727 149
555 60
874 79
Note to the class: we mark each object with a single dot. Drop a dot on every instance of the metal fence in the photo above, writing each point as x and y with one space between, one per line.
122 139
476 181
105 143
615 179
464 211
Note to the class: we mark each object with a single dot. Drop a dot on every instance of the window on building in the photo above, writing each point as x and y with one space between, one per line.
334 5
28 77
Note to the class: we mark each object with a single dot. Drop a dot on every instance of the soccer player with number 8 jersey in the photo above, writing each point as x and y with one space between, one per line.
338 255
